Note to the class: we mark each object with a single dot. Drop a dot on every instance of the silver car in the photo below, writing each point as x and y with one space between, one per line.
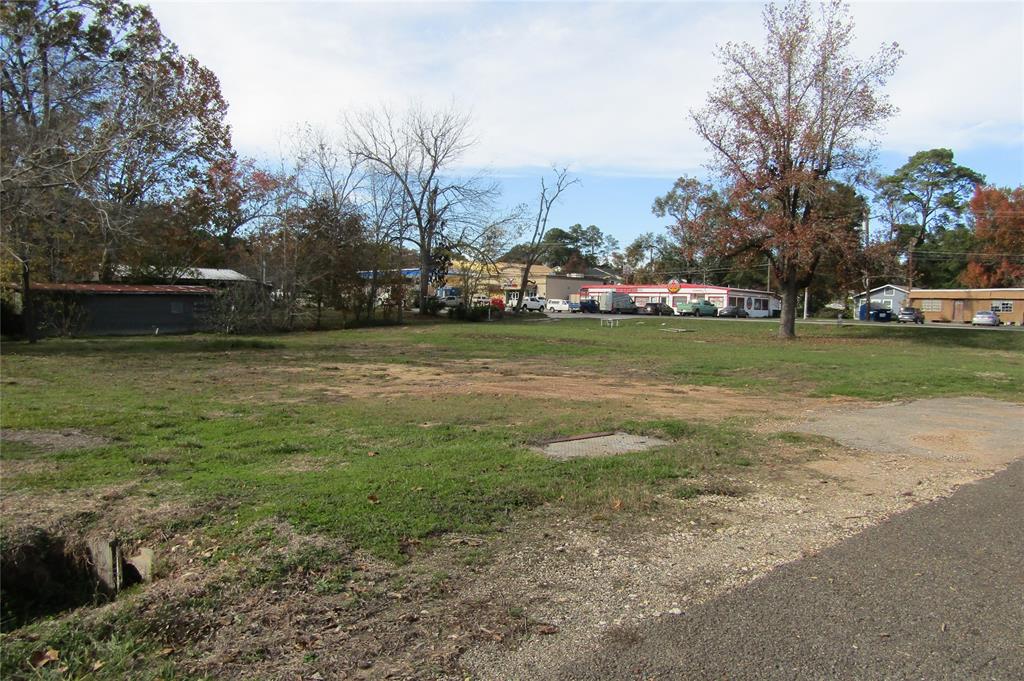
985 318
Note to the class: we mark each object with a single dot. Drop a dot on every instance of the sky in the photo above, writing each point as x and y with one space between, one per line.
601 88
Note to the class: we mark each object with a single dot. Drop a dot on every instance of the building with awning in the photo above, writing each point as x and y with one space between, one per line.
757 303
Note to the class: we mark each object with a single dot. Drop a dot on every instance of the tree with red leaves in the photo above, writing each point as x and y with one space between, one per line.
784 123
999 230
234 194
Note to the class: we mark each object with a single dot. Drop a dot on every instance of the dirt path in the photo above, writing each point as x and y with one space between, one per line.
593 586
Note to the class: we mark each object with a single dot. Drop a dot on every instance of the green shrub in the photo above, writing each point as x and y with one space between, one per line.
476 313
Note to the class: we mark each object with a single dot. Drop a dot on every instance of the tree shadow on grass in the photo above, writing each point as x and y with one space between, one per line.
142 345
949 337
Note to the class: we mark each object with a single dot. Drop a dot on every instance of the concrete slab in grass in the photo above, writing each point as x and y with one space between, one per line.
598 444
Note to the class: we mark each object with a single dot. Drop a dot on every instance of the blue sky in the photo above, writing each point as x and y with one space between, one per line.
603 88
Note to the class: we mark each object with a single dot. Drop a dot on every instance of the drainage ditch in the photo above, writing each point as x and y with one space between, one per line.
44 574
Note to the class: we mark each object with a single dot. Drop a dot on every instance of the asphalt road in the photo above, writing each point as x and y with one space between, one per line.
762 320
934 593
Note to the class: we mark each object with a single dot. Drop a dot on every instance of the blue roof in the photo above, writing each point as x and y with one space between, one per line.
407 272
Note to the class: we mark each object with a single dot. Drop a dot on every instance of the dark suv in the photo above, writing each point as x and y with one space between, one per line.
658 309
910 314
589 306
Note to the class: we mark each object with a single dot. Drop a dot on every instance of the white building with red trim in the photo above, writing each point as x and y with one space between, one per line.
756 303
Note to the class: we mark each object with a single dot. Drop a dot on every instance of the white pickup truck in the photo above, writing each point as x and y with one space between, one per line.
534 304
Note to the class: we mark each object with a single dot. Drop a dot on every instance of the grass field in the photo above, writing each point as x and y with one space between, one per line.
387 437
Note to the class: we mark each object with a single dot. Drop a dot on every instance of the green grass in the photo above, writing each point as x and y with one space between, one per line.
245 432
226 420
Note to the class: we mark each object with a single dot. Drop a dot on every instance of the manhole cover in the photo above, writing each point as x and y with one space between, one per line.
598 444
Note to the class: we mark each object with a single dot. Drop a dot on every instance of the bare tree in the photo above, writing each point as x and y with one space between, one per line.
782 124
480 249
419 150
385 208
535 249
325 169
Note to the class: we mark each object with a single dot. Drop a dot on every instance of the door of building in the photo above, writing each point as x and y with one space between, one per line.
958 310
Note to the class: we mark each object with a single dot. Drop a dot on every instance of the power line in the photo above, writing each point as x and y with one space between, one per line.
968 253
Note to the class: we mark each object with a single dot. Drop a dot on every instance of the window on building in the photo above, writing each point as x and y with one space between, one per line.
1002 306
177 307
889 291
760 304
931 305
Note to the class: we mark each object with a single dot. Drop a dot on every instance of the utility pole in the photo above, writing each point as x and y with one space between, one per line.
867 300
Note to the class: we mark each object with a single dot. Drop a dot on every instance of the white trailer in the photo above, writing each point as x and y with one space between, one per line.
615 303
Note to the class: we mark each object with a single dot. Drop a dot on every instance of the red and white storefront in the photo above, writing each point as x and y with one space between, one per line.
756 303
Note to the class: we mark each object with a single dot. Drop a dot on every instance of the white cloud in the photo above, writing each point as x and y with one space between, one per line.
600 86
961 82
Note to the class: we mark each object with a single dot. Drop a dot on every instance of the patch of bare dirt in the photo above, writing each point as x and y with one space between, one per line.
54 440
122 510
488 378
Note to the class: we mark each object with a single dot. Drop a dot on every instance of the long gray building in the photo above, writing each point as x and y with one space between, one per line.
119 309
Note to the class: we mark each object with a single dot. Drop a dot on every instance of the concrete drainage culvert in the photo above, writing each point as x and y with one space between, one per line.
45 574
597 444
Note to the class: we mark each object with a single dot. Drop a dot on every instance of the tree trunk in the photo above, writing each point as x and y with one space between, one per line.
522 285
400 298
27 313
424 278
787 327
910 267
371 301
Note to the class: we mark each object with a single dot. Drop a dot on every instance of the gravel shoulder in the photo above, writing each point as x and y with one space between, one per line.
594 584
934 593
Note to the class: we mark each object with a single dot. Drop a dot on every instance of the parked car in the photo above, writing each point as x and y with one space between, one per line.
986 318
574 307
658 309
534 304
881 314
450 301
589 306
910 314
559 305
733 311
699 308
878 313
